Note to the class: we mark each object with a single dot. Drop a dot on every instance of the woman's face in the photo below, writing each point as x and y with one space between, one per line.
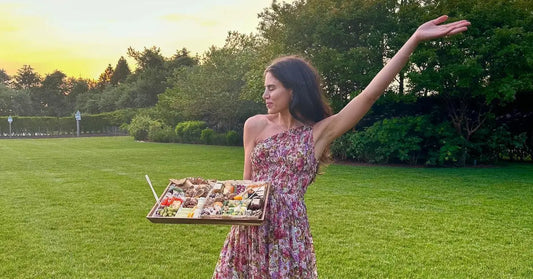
276 96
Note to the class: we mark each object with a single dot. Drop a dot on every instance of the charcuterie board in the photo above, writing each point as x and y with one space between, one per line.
195 200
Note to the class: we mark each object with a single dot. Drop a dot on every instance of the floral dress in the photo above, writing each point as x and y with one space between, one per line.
282 247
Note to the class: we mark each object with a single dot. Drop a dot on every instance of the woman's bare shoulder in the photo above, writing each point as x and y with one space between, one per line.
257 122
253 128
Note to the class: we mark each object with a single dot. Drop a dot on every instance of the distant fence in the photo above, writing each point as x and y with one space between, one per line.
107 131
96 124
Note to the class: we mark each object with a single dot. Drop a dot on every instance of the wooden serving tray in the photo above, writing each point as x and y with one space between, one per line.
213 219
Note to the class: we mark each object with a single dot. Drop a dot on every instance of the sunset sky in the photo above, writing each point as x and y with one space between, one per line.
80 38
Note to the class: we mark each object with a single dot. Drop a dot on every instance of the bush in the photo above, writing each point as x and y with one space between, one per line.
208 136
160 133
340 146
448 148
190 131
497 142
410 139
391 140
140 126
233 138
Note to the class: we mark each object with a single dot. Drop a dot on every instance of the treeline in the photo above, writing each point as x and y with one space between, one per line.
460 100
28 93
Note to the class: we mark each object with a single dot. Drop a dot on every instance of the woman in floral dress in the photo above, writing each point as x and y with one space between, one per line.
285 146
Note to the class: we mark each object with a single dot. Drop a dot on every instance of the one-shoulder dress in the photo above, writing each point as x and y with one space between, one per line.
282 247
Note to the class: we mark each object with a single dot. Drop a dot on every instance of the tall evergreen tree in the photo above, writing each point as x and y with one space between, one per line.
105 77
26 78
121 72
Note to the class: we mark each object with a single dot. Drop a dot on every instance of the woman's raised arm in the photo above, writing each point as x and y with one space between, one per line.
334 126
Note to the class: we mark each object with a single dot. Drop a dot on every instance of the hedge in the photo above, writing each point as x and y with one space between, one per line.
416 140
102 123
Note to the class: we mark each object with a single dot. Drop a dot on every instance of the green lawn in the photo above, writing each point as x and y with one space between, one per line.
76 208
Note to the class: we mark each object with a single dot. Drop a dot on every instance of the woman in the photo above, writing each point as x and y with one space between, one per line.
285 147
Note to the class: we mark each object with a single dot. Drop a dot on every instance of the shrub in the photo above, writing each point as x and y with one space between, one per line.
517 148
233 138
160 133
208 136
497 142
340 146
410 139
140 126
448 148
391 140
190 131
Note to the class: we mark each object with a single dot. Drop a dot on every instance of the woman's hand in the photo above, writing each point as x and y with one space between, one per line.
432 30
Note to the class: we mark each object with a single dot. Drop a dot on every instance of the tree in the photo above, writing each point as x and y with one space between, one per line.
4 77
121 72
345 40
29 80
105 77
484 69
182 58
14 102
150 77
149 58
52 94
74 88
211 90
88 102
26 78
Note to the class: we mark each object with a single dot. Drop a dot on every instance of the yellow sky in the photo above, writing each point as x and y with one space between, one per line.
80 38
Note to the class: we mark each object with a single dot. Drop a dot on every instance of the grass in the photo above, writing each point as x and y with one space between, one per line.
76 208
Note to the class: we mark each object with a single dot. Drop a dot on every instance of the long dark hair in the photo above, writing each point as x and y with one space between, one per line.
308 104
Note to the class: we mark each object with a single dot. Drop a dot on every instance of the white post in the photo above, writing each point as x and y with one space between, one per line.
78 118
10 120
